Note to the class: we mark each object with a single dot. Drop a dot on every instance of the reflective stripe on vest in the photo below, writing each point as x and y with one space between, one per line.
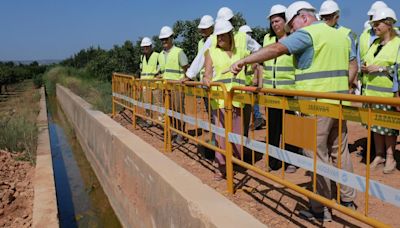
221 62
279 72
379 83
321 74
149 69
330 64
170 67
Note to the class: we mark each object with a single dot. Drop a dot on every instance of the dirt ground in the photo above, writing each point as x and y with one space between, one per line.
272 204
16 191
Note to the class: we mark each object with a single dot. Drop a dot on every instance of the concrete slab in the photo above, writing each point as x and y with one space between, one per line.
144 187
45 213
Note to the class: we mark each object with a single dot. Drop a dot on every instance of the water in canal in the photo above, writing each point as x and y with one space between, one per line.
80 198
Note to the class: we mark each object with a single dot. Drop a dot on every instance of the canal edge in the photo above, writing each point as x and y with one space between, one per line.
45 212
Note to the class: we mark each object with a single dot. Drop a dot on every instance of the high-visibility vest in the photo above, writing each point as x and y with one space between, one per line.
279 72
200 46
221 62
240 40
170 67
329 68
364 43
345 31
379 83
149 68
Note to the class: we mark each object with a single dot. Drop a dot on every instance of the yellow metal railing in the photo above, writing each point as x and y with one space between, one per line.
137 96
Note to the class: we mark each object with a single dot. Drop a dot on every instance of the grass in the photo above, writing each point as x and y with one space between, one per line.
97 93
18 114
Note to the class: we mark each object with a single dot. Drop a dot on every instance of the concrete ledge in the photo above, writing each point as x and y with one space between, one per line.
144 187
45 213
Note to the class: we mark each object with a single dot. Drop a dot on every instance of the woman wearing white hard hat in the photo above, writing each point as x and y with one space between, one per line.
381 79
368 36
278 73
217 60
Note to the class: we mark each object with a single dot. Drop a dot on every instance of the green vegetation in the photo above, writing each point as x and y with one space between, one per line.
96 92
11 73
18 114
88 73
100 63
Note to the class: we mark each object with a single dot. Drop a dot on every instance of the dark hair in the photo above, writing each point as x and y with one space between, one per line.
271 31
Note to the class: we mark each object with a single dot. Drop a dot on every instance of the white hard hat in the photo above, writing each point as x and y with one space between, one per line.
146 41
376 5
222 27
328 7
367 25
206 22
245 29
224 13
384 13
295 7
165 32
277 9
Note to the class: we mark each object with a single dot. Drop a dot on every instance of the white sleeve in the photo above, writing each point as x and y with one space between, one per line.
198 62
252 45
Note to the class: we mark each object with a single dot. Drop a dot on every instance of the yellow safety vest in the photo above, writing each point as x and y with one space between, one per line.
279 72
170 67
221 62
200 46
329 68
240 40
149 69
380 84
364 42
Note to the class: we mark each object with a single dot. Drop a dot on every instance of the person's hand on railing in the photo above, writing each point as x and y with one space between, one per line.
184 79
207 81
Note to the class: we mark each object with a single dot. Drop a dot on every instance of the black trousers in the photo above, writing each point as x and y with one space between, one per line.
274 135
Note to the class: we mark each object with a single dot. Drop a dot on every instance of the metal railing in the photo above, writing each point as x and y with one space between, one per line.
192 94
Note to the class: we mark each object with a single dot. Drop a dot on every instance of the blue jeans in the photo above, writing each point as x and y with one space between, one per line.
257 113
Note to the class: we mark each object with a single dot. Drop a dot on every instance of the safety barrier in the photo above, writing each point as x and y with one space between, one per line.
176 116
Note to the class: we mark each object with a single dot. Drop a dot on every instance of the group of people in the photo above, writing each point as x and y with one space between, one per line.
306 50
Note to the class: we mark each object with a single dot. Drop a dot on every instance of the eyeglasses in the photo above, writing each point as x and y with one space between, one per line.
164 39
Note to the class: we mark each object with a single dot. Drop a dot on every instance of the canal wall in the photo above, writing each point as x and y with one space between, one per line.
144 187
45 212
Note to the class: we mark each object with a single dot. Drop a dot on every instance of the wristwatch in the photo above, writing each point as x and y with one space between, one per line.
380 69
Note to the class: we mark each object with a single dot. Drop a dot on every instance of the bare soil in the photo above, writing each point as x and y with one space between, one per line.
16 191
271 203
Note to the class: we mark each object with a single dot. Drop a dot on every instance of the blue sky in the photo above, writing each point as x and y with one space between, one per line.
56 29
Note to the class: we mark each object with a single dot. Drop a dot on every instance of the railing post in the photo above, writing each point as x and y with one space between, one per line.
228 129
134 106
167 132
113 90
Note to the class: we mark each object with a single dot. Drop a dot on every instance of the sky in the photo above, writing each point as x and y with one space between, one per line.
56 29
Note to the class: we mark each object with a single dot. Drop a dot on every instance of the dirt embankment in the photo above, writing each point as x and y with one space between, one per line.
16 191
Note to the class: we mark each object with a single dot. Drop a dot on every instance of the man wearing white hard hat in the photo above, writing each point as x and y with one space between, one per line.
148 60
149 69
217 59
381 78
314 44
329 12
173 64
206 28
243 40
